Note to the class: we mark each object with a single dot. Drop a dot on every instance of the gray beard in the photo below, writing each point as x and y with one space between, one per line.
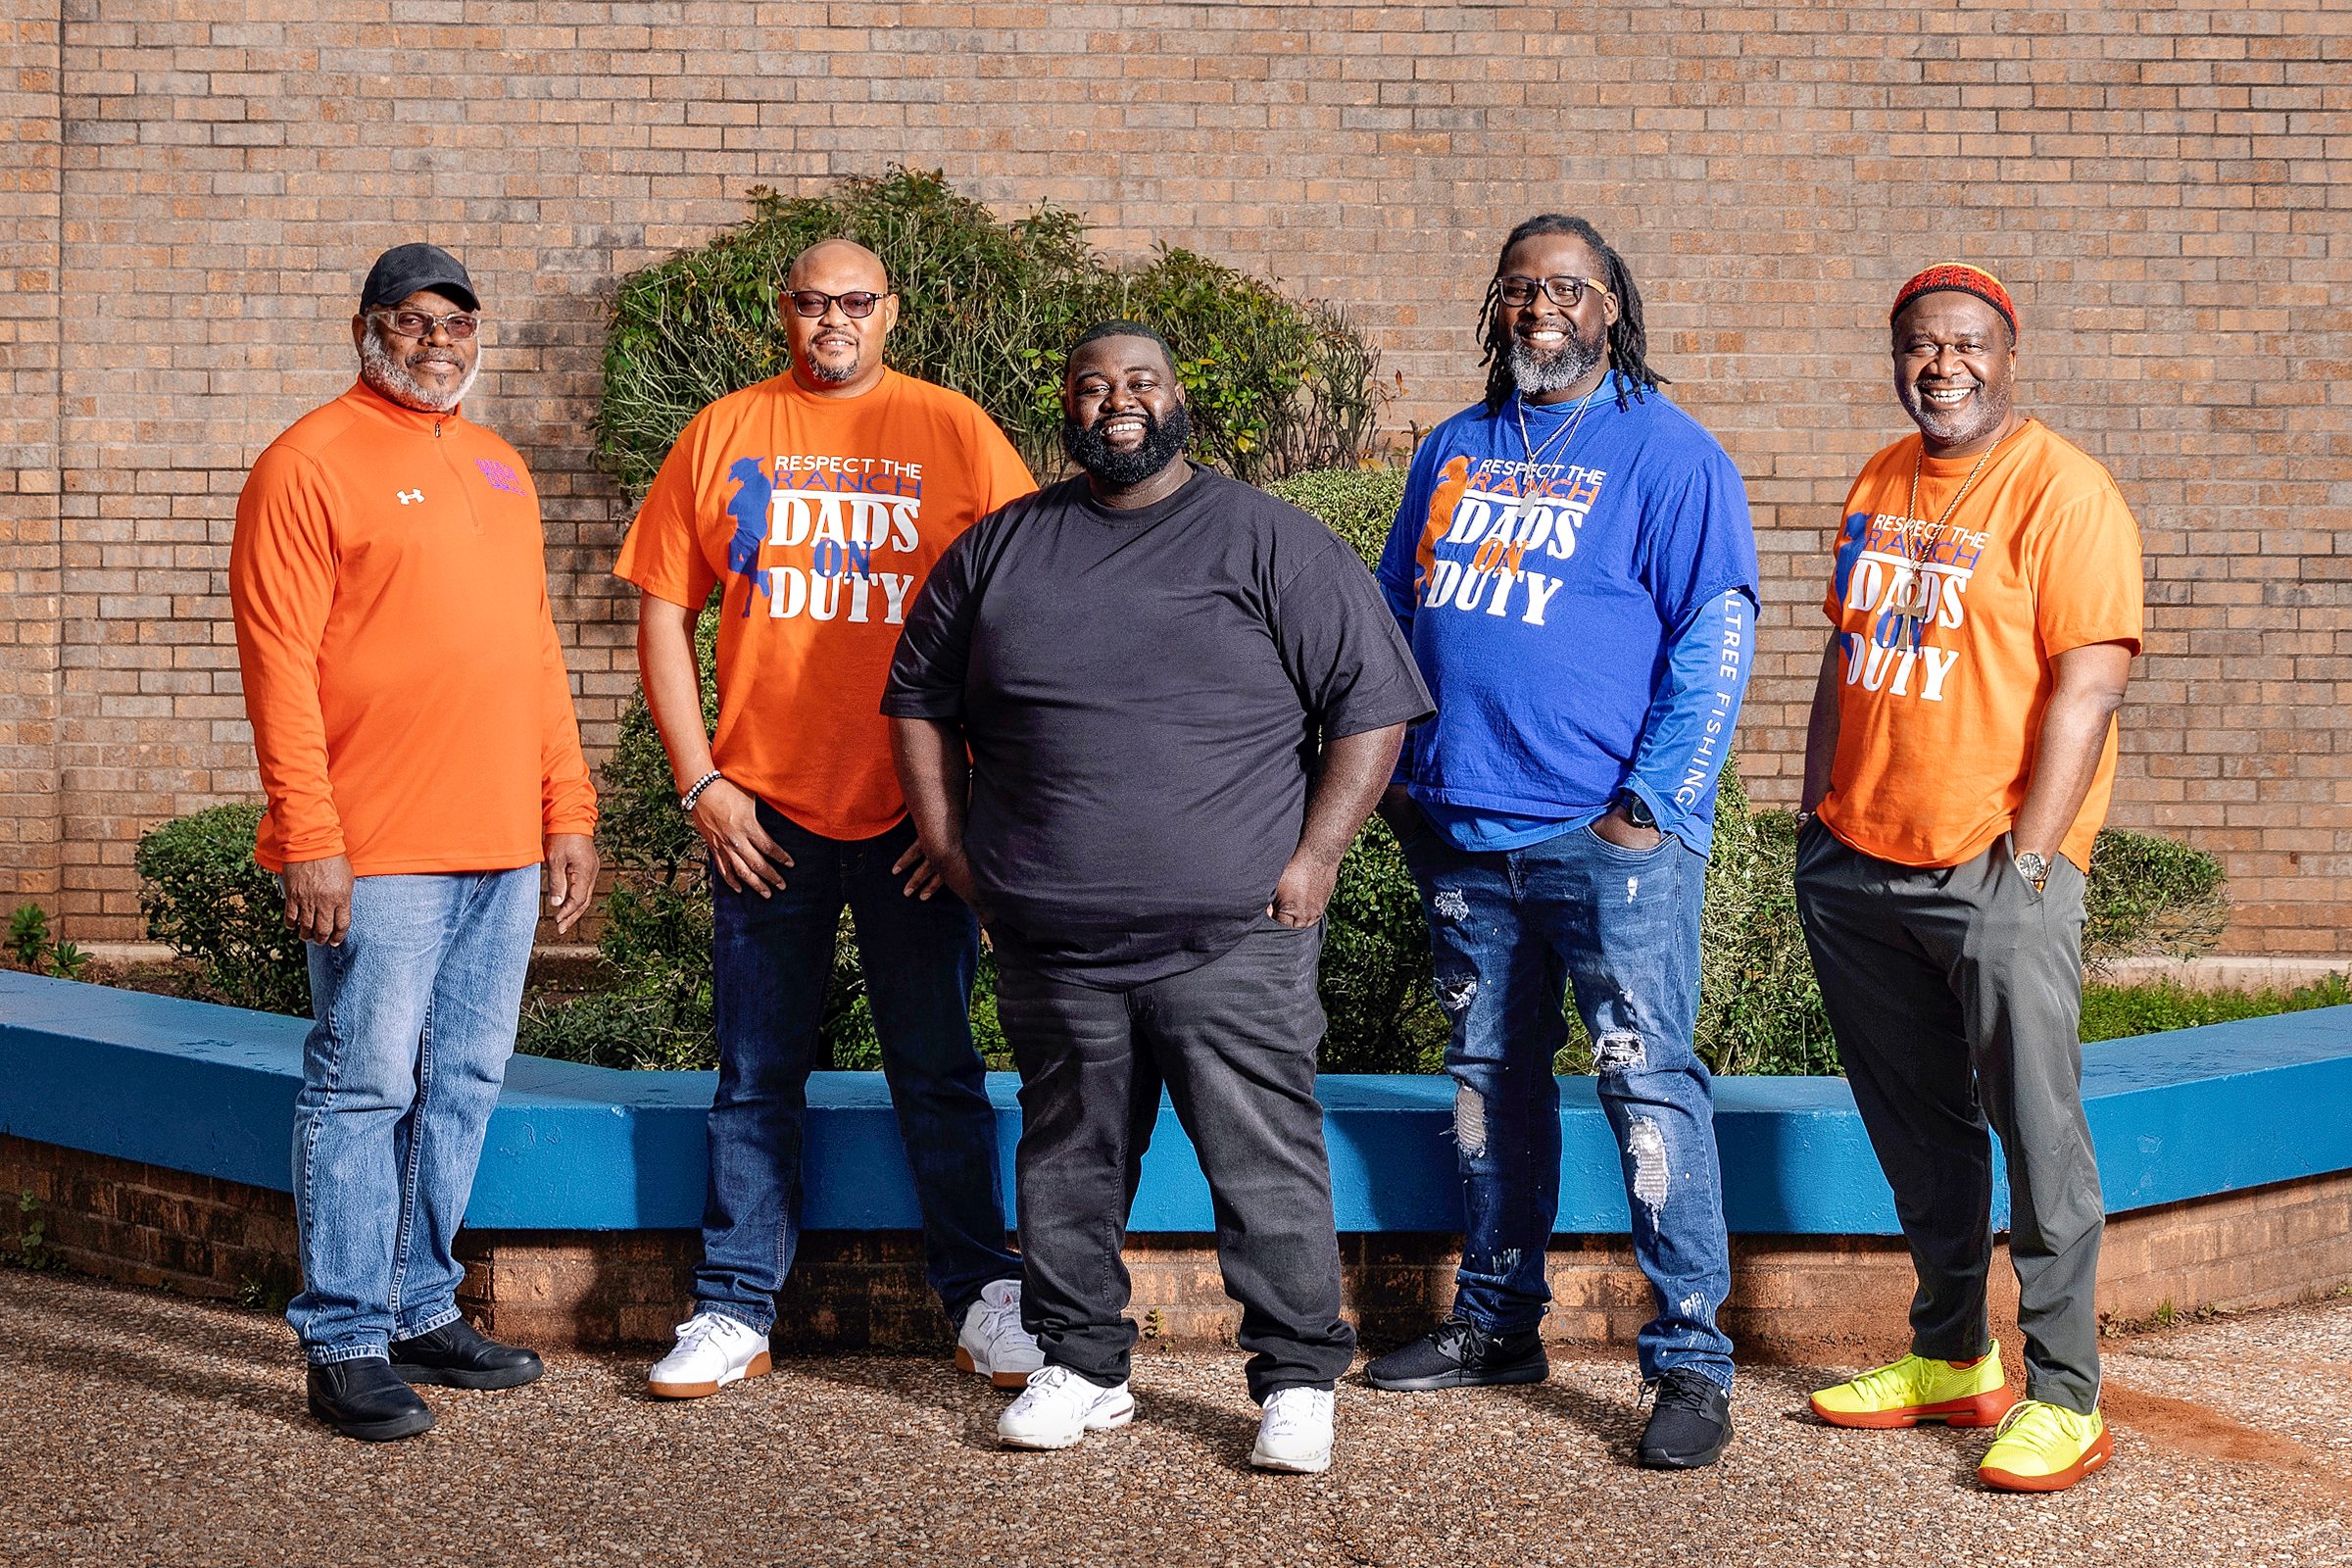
380 371
1949 430
1535 373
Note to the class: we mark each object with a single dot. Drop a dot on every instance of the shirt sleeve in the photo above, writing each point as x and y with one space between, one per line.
1687 735
2087 574
281 586
567 798
1341 648
1400 559
1697 539
926 674
1003 477
664 551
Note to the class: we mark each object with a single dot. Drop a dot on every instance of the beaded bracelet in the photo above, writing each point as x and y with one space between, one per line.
687 800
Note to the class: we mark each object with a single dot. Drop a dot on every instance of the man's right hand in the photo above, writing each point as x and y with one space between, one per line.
319 899
745 858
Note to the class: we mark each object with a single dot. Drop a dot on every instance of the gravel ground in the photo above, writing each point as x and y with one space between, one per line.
139 1427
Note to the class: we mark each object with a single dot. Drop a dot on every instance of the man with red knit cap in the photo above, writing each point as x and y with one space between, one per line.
1984 606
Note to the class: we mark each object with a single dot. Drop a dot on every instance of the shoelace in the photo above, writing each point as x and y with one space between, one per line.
2050 1442
1288 1410
1054 1381
999 1324
699 1329
1880 1385
1689 1390
1460 1338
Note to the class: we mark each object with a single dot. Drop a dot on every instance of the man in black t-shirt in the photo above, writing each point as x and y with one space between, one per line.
1180 698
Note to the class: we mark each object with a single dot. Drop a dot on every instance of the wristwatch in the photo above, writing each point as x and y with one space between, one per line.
1636 811
2034 868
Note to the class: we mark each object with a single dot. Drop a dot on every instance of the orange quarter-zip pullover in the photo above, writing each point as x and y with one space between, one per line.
407 694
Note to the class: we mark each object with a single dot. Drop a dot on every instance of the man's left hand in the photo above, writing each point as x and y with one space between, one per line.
1619 829
1303 890
571 867
923 877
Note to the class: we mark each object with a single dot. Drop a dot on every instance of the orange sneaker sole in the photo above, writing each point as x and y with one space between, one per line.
1002 1379
758 1367
2102 1449
1977 1410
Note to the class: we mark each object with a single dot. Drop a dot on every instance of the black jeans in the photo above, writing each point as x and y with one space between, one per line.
1233 1041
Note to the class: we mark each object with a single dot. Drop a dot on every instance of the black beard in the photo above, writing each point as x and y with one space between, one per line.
1161 444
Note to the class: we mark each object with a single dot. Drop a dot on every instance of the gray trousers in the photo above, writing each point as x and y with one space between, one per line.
1956 996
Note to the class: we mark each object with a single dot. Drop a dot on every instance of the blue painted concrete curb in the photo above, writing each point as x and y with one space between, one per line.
207 1089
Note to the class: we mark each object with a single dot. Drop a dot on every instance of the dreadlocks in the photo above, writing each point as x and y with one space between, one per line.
1627 337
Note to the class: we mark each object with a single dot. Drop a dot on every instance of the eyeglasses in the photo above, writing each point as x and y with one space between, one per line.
856 304
458 324
1565 292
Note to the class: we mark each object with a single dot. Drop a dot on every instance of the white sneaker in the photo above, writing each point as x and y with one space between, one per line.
993 1342
1294 1431
1059 1408
713 1351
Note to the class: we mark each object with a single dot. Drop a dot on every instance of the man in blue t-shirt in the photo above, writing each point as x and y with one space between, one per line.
1574 568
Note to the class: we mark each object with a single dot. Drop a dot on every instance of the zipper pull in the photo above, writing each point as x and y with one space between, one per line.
436 429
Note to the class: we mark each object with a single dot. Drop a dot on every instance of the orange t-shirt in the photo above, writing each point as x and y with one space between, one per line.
821 516
1935 743
408 695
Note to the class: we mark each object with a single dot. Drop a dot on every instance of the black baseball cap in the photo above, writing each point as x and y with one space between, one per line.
405 268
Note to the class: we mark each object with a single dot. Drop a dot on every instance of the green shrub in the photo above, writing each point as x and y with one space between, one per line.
206 896
2151 897
990 308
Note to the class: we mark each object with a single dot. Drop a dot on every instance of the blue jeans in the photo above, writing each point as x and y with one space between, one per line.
415 1019
1509 931
771 959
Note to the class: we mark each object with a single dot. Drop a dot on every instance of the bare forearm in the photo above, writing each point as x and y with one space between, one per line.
673 686
2074 735
1821 730
1355 770
937 781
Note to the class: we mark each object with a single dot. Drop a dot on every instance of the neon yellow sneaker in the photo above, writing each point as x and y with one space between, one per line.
2044 1447
1916 1389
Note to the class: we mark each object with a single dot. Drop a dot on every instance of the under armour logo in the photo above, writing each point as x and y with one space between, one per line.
411 497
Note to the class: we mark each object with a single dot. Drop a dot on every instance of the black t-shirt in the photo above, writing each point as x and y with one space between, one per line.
1144 694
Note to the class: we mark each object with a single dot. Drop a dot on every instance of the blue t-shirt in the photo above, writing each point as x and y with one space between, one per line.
1587 626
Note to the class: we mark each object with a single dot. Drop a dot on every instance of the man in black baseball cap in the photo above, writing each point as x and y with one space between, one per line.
412 349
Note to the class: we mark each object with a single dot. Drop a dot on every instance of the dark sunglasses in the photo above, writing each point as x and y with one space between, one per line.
856 304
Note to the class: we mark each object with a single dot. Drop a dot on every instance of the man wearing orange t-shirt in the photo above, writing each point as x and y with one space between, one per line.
816 502
1985 607
413 725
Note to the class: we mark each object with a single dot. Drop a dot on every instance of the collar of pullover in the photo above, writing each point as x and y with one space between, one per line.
420 420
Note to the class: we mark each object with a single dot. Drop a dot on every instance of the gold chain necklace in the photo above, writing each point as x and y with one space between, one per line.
1910 596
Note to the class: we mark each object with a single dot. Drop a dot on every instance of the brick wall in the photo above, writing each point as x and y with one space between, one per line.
1827 1298
194 187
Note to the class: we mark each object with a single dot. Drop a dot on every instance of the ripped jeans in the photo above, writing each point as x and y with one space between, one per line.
1510 931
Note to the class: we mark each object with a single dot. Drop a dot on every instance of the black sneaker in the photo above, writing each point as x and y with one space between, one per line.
1689 1425
363 1400
1459 1354
457 1354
